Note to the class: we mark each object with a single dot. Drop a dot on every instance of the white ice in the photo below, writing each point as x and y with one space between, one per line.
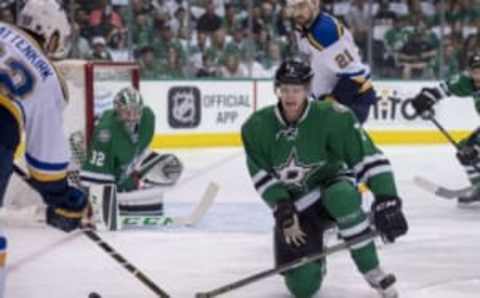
439 258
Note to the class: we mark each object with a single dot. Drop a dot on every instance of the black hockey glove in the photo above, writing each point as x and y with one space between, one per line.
468 155
286 219
388 217
425 100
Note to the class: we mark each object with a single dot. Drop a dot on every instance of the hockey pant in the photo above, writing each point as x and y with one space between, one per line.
358 96
341 202
9 140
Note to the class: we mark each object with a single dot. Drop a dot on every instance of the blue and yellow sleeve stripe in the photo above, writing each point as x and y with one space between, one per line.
325 31
46 171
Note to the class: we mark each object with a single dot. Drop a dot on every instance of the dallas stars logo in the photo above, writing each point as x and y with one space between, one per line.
294 172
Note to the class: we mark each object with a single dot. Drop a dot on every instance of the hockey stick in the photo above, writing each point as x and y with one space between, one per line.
285 267
443 131
92 235
107 248
197 213
201 208
444 192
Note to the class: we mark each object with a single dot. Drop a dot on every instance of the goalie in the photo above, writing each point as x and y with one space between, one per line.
118 160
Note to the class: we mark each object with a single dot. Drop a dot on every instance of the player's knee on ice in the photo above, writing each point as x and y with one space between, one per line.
305 281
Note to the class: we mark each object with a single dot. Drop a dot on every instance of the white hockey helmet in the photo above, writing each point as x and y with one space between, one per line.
292 5
128 104
49 20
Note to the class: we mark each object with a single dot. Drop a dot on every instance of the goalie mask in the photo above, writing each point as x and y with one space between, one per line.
128 105
48 20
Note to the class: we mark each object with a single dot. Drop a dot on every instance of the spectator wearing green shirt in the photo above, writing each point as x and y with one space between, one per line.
149 67
164 39
218 46
142 31
173 68
451 65
237 44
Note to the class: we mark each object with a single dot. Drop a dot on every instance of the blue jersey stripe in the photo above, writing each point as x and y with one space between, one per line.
41 165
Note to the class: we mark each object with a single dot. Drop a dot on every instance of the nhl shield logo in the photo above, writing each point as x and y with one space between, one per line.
184 107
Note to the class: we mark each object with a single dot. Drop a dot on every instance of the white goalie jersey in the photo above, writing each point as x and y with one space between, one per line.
332 53
34 93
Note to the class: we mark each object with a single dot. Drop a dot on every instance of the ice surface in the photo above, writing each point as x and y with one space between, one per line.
439 258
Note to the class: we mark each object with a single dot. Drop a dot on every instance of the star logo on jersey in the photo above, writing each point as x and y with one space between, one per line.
294 172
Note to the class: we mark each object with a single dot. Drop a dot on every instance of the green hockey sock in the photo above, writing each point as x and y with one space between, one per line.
343 201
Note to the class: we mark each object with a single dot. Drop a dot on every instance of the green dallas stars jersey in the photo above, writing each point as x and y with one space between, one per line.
326 143
113 151
462 85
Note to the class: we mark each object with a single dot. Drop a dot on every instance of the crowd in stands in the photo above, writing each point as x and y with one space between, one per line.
410 39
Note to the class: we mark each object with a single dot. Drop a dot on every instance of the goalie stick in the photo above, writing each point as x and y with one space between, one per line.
441 191
197 213
285 267
107 248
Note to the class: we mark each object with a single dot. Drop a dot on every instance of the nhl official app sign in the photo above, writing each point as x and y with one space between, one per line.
184 107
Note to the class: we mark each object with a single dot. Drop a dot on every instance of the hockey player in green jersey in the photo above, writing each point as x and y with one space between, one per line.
305 158
465 84
118 154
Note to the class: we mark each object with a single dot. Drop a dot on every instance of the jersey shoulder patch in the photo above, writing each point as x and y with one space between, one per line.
104 135
325 31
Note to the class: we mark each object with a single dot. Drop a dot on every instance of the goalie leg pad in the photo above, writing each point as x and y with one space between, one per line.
105 209
142 202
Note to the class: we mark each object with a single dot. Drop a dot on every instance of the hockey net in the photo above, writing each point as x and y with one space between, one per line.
91 87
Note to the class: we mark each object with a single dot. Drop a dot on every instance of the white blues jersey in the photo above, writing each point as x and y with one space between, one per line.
34 94
332 53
